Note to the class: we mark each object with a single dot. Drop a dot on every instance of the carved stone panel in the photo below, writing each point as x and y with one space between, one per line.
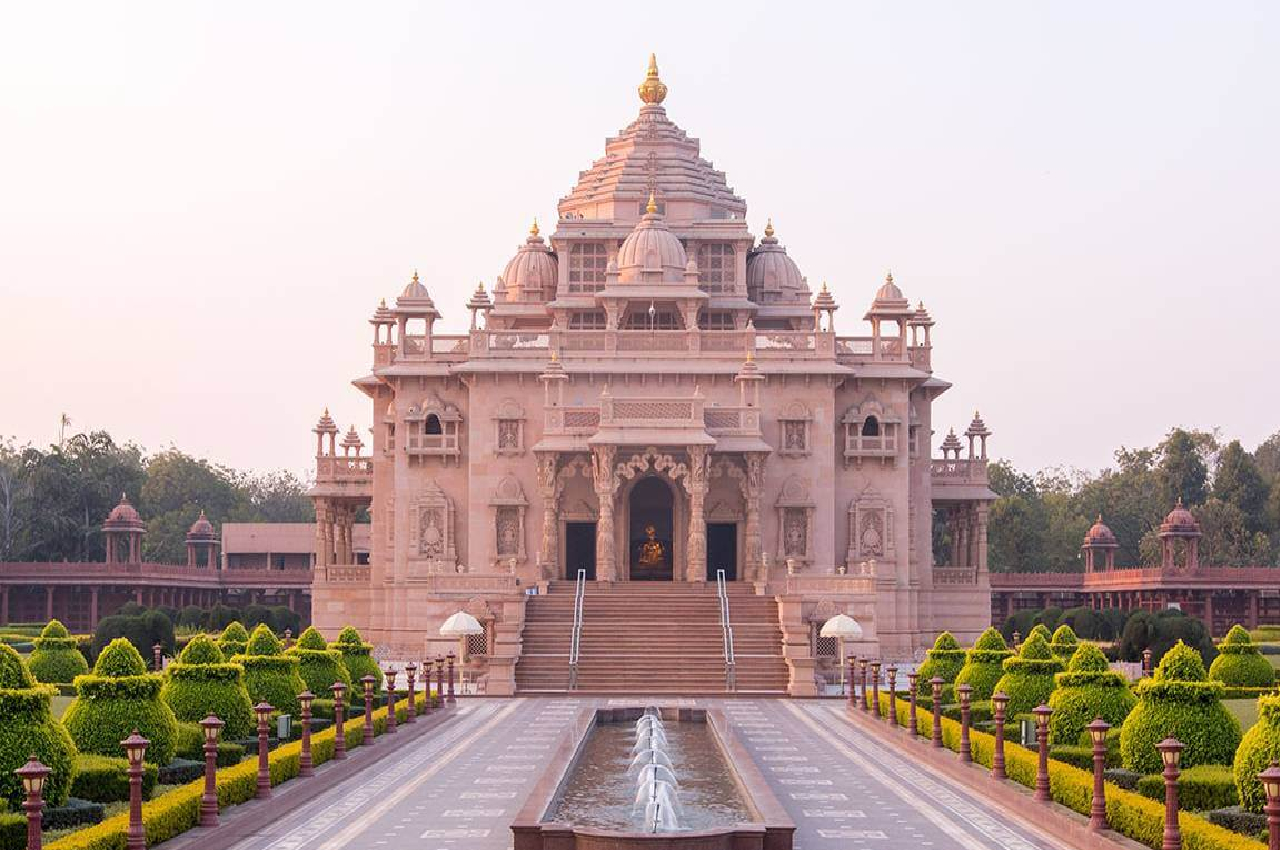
433 541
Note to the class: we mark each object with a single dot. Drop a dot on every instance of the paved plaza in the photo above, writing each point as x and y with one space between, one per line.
460 787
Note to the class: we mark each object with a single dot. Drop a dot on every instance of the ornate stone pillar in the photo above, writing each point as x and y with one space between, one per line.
696 483
605 479
322 552
980 541
549 552
752 487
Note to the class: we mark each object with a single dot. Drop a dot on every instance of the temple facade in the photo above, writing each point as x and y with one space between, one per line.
651 393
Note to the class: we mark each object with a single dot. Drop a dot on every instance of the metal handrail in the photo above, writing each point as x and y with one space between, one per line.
726 632
575 639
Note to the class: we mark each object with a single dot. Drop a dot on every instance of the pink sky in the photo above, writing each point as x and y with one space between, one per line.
200 206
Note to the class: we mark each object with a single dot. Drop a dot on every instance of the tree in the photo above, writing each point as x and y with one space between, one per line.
1267 458
1184 474
1237 481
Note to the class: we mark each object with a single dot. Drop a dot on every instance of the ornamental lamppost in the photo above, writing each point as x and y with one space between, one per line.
439 680
892 673
1146 663
937 683
966 695
263 710
875 687
33 776
863 663
911 714
212 728
451 658
157 653
391 698
368 682
1270 779
339 720
1170 754
135 747
1098 811
305 767
999 702
411 714
853 681
1042 713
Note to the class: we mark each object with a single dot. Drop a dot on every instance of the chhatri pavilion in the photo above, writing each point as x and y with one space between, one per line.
651 398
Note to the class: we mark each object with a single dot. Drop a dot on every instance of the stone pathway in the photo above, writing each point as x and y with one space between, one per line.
460 788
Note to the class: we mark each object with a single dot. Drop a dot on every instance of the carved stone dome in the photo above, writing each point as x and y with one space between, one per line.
123 517
1180 521
652 248
201 529
772 276
1099 534
531 274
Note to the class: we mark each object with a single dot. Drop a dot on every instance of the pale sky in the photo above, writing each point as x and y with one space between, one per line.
201 204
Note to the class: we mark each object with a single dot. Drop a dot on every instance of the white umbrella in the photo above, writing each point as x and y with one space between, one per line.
463 623
843 627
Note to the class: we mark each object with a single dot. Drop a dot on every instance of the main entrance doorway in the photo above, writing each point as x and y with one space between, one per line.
649 550
722 550
580 549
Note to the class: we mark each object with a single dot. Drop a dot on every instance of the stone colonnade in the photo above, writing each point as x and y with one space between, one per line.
968 526
334 521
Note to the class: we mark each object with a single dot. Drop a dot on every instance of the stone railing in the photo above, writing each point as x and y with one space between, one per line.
1135 577
89 573
949 471
722 421
347 573
343 469
679 410
955 576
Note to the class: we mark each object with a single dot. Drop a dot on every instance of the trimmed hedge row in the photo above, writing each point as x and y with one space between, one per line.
103 779
1200 788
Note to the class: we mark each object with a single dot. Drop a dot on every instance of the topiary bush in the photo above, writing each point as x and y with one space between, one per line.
357 656
269 674
1063 643
28 726
1088 689
1259 747
1201 788
1239 663
983 664
56 658
118 697
944 661
1028 676
1179 701
200 682
319 665
103 779
1039 629
233 640
144 630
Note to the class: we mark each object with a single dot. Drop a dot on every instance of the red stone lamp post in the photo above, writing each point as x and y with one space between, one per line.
862 674
439 681
966 715
263 710
135 747
853 681
1146 663
1270 779
1098 811
875 687
212 728
1017 640
391 698
33 776
339 720
305 767
288 638
411 712
999 702
1042 713
911 714
368 682
937 684
451 658
892 673
157 653
1170 754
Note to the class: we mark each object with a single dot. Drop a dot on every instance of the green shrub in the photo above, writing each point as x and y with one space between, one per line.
1239 663
118 697
200 683
27 726
233 639
1028 676
318 665
282 618
269 674
56 658
1040 629
1178 701
13 831
944 661
1200 788
143 630
1063 643
982 664
103 779
1259 747
357 657
1087 690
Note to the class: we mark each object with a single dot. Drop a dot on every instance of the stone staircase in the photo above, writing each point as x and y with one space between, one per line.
651 637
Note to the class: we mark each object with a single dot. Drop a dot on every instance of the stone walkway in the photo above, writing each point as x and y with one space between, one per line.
459 788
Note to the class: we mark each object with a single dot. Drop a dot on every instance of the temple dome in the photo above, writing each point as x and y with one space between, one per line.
201 529
123 516
1180 521
652 248
772 276
531 274
415 290
1099 534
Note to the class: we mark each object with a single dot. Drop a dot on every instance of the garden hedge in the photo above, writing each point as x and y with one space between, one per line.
357 657
269 674
1064 643
1200 788
1088 689
233 639
1239 663
118 697
28 726
200 683
1260 745
945 660
1028 676
319 665
983 664
103 779
1178 701
56 658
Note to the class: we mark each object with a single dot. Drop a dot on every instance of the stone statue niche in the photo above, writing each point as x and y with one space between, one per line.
435 548
871 534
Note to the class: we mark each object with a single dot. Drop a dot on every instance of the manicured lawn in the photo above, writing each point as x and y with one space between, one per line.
59 704
1245 710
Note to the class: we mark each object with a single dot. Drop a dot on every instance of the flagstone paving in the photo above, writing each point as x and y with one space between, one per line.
460 787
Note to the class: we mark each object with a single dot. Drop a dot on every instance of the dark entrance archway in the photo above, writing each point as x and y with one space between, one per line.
580 549
722 550
650 556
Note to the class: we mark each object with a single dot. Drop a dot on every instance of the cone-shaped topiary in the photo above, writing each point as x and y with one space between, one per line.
1042 630
1087 690
200 682
1028 676
357 657
1240 664
1064 643
1258 748
319 665
1179 701
116 698
56 658
233 639
27 726
269 674
983 664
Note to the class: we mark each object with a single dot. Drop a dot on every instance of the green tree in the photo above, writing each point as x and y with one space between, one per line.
1237 481
1183 472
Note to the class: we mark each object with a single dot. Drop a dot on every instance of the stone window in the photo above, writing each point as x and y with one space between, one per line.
871 431
717 267
588 320
662 320
715 320
823 647
793 426
795 508
588 262
509 504
508 531
478 645
432 429
509 434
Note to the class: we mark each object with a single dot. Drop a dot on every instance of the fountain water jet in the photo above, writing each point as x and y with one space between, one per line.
656 784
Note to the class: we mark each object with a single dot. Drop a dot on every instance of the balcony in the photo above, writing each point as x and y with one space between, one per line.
344 475
960 480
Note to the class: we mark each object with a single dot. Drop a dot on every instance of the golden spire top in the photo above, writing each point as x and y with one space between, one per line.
415 276
653 90
824 286
326 411
768 229
555 356
382 302
751 355
652 207
533 231
888 276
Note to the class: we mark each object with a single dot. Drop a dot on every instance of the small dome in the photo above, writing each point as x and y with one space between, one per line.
532 273
123 517
1099 534
201 529
326 425
415 290
651 247
772 276
889 290
1180 521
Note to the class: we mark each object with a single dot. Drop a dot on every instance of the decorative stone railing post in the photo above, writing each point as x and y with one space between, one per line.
368 682
999 702
1098 809
937 684
263 710
966 715
411 712
1042 713
211 726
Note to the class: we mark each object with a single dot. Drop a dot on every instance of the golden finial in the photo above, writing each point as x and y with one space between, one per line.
382 303
768 229
555 356
751 355
824 287
653 90
888 276
652 207
533 231
976 415
415 276
326 410
920 305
